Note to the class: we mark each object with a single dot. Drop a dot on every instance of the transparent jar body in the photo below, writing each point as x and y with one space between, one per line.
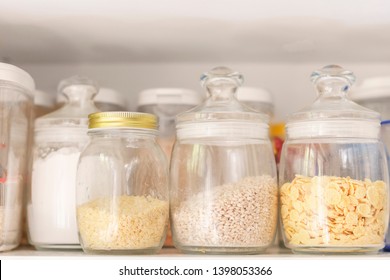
334 195
122 192
223 195
51 206
15 122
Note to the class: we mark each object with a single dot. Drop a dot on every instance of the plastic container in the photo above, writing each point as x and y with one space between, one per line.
16 104
223 186
43 103
59 139
107 99
122 186
257 98
333 173
166 103
374 93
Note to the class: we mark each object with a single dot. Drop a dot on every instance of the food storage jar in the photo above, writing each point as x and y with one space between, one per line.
223 187
122 186
107 99
59 138
257 98
16 104
333 172
166 103
43 103
374 93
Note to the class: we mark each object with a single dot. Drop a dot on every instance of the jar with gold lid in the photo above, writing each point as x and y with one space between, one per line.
122 186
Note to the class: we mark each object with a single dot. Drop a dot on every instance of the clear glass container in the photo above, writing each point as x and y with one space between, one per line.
333 172
122 186
166 104
16 107
59 138
223 186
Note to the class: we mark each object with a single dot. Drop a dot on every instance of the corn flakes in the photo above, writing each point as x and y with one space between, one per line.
334 211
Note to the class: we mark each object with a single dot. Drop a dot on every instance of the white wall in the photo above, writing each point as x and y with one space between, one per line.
289 83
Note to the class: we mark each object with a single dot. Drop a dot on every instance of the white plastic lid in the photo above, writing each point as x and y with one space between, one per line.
105 95
182 96
254 94
375 87
9 72
42 98
109 95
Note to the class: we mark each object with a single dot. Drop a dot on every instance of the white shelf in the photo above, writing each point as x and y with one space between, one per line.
274 253
108 31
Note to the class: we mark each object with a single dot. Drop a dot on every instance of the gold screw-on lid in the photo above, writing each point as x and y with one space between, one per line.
122 119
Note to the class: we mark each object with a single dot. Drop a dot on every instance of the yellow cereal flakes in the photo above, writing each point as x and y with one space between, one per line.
122 223
334 211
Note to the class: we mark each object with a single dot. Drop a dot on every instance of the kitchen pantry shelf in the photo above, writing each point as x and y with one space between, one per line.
273 252
167 44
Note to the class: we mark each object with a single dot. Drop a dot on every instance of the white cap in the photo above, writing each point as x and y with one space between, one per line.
105 95
254 94
182 96
109 95
43 98
9 72
371 88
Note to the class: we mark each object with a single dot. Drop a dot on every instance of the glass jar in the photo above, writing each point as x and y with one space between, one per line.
59 138
166 104
122 186
333 172
43 103
223 174
16 103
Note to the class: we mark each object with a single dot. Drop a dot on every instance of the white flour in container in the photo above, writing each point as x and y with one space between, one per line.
240 214
52 209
